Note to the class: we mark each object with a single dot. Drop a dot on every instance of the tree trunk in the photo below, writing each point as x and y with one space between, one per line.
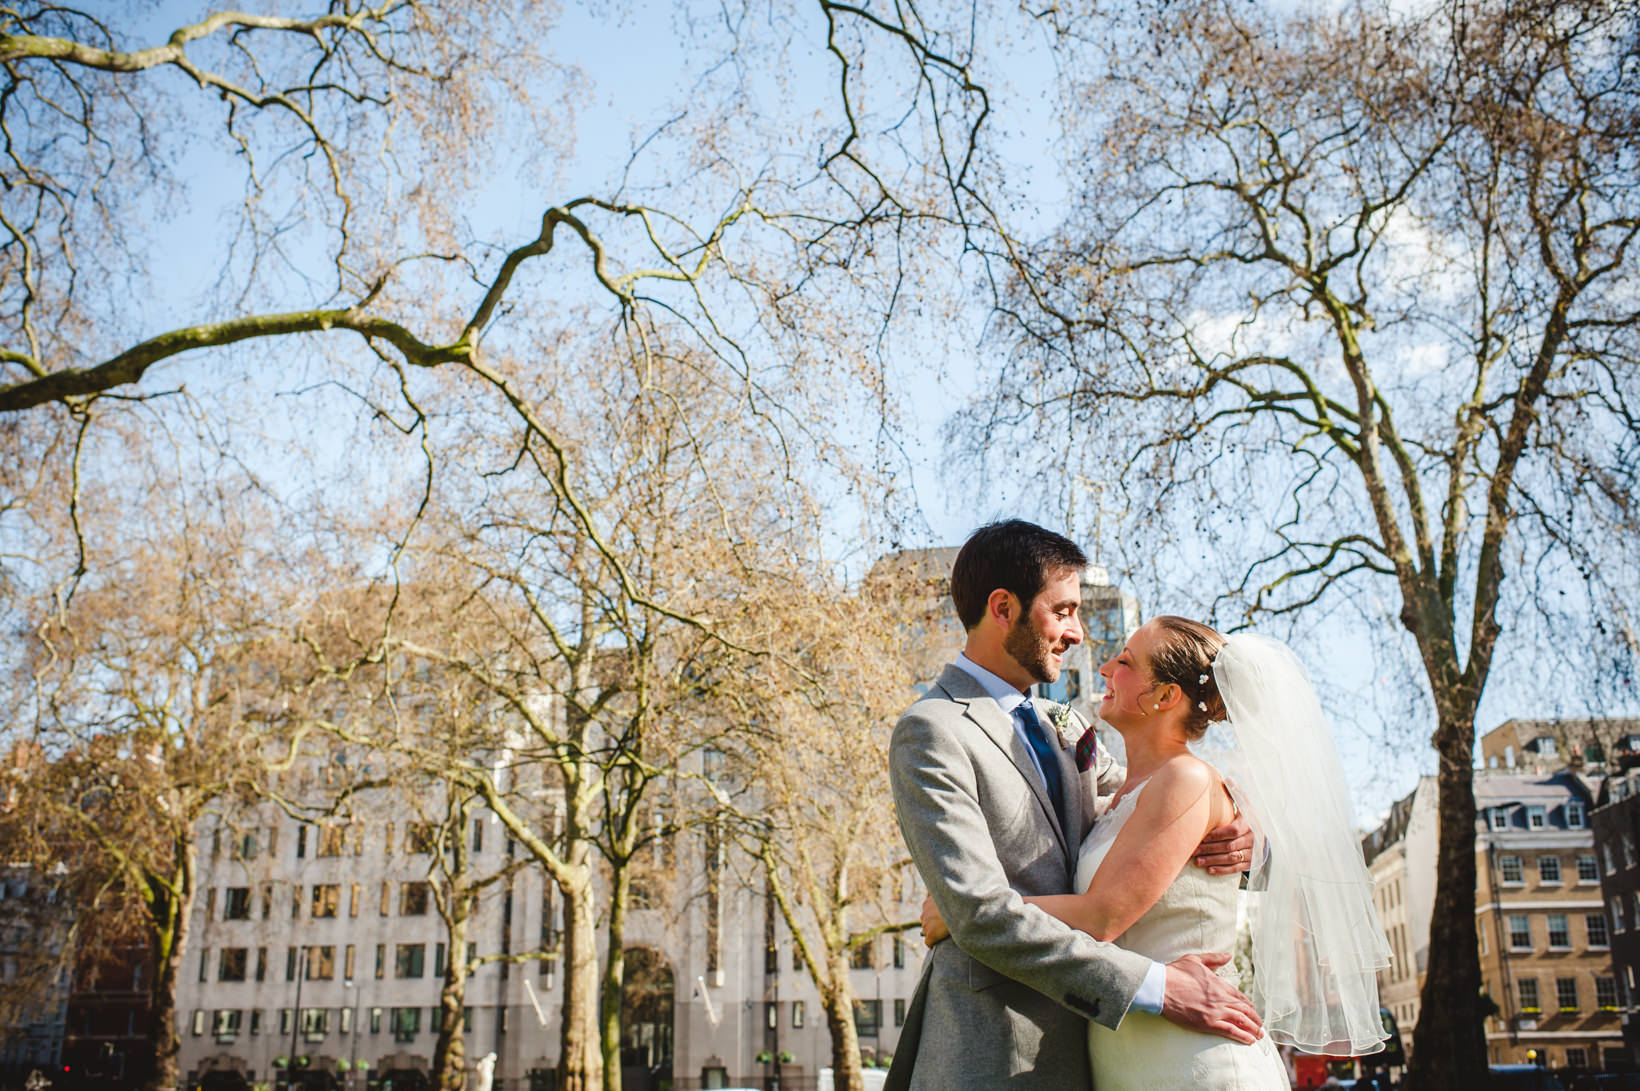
169 916
580 1062
450 1051
1449 1045
846 1071
614 979
162 1008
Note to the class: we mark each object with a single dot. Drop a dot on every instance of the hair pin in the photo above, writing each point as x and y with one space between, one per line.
1201 679
1202 705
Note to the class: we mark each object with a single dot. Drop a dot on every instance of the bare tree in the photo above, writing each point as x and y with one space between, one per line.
145 718
818 817
1372 273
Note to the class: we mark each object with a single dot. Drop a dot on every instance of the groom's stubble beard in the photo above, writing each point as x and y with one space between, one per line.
1031 650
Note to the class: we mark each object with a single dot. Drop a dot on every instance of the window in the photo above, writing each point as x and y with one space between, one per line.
899 1012
478 835
245 846
290 964
1548 869
1534 816
236 903
331 840
321 963
315 1023
409 960
296 901
1628 850
771 1015
345 1016
1605 993
406 1023
413 898
199 1022
1566 993
1527 987
438 960
301 840
1617 914
797 1014
1596 925
868 1017
261 966
205 964
232 964
375 1020
1560 937
1520 933
1575 1057
862 957
256 1022
267 900
353 899
1499 817
418 837
225 1025
327 899
381 961
1587 870
284 1021
1509 869
899 955
1574 814
1606 854
347 964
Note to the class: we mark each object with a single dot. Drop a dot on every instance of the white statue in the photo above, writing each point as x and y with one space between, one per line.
486 1071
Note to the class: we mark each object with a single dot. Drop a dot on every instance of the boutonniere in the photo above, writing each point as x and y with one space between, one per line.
1061 717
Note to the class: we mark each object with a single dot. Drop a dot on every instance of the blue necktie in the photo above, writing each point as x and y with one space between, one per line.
1045 756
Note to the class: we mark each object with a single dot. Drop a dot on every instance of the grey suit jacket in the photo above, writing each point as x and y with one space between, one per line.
1007 1003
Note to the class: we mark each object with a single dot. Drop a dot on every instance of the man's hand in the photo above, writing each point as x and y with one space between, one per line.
1199 999
1227 850
933 925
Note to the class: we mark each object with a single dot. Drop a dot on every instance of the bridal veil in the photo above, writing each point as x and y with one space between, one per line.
1317 943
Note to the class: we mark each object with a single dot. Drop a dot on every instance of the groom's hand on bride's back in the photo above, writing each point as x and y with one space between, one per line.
1199 999
1227 850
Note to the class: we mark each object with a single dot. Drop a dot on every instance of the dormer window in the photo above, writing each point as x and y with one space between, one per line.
1545 746
1534 816
1574 814
1500 818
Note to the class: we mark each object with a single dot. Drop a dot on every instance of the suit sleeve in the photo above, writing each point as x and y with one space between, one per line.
936 797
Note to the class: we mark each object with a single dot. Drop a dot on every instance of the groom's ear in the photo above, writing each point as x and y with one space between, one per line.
1002 606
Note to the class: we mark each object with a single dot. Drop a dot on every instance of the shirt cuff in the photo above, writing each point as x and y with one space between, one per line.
1153 990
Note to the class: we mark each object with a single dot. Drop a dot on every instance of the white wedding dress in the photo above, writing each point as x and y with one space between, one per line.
1195 915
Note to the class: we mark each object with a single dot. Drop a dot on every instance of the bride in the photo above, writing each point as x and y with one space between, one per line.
1316 939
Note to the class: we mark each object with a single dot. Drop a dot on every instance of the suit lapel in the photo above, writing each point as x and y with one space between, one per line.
998 726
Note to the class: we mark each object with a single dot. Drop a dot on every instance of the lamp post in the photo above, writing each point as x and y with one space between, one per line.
353 1061
296 1016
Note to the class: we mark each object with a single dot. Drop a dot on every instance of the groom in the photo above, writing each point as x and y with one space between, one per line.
993 807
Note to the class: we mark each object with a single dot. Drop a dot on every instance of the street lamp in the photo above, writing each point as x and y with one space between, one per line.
296 1016
353 1062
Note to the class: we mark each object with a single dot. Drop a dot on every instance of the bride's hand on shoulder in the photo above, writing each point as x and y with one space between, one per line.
933 925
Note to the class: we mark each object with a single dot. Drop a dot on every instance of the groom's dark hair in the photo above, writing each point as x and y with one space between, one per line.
1014 555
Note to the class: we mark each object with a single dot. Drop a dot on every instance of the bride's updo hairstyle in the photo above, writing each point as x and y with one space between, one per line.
1183 656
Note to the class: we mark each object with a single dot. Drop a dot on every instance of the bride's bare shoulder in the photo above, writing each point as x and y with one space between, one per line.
1181 781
